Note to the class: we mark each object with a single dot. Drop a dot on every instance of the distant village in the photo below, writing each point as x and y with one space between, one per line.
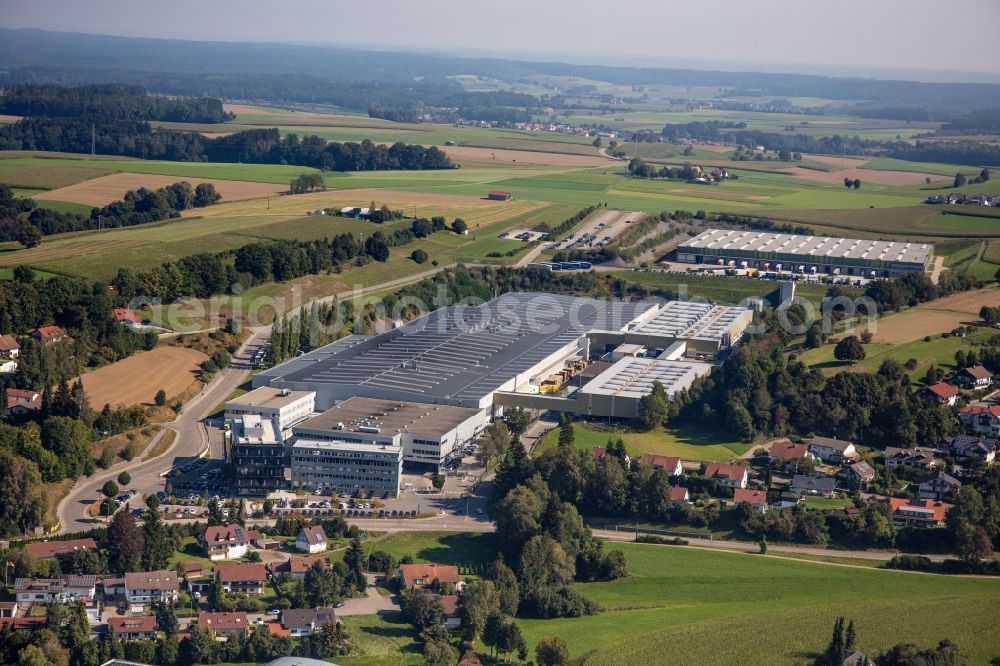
965 199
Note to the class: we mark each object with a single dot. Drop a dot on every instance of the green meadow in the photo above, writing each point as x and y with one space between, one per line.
684 442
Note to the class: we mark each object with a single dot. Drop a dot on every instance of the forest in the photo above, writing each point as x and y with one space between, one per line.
111 101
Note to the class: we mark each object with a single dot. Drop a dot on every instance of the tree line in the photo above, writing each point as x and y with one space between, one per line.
24 221
258 146
109 101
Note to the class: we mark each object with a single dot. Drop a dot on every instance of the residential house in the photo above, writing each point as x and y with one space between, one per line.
113 589
814 484
49 334
755 498
127 318
600 454
24 623
920 457
729 476
857 659
22 401
246 579
149 587
297 565
66 588
832 450
226 542
50 550
311 539
942 393
785 451
917 513
9 351
858 475
452 615
939 485
975 377
787 500
8 608
413 576
301 622
668 464
965 448
981 419
224 625
133 628
679 495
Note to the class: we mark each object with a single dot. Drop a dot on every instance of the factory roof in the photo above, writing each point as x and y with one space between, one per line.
810 247
693 320
269 397
303 444
633 377
388 417
458 354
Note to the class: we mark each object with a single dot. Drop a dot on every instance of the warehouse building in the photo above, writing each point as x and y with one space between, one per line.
457 355
792 253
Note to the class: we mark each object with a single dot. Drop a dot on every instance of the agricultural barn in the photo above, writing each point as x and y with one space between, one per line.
498 196
791 253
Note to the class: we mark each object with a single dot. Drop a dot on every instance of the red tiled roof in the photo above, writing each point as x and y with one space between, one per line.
449 603
8 343
223 621
470 659
414 572
138 624
241 573
787 451
48 331
668 463
730 472
277 630
219 535
755 497
678 494
300 564
25 623
978 372
943 390
992 410
47 549
123 315
936 510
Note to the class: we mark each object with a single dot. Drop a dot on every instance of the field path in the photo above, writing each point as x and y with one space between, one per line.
936 271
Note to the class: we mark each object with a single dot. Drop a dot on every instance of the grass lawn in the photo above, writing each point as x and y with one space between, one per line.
381 640
827 502
703 607
470 551
686 443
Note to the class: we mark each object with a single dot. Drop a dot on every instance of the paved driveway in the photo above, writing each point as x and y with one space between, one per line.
371 603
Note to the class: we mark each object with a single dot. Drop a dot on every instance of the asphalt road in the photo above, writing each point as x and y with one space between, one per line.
192 440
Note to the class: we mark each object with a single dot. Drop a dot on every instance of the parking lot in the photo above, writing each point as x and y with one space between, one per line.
525 235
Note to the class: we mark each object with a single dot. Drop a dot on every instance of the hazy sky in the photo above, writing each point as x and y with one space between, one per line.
786 34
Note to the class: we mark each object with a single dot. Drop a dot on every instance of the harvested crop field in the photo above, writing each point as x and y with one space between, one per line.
525 156
395 197
935 317
244 108
6 120
833 160
50 177
892 178
136 379
715 194
102 191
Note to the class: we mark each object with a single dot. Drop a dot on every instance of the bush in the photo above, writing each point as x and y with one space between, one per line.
667 541
909 563
161 398
562 601
124 478
107 457
110 489
419 256
129 451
